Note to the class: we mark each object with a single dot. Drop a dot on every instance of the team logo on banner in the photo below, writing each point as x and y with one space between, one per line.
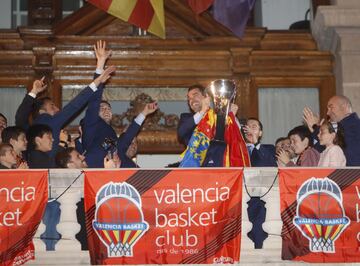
119 220
180 216
320 214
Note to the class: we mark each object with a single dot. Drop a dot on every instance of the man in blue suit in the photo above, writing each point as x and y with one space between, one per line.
199 104
127 143
99 138
49 114
340 112
260 154
97 130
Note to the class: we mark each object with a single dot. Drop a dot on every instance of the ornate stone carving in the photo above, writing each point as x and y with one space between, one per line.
156 121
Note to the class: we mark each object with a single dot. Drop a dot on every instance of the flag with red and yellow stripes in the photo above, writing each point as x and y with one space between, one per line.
145 14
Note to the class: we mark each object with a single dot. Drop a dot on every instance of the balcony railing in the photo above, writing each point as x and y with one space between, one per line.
68 251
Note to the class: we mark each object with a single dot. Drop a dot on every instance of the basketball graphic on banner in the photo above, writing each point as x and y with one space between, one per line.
119 221
320 215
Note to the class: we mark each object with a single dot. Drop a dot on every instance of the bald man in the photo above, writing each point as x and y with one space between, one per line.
339 110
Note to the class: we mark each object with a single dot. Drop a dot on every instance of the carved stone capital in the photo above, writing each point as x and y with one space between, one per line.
43 59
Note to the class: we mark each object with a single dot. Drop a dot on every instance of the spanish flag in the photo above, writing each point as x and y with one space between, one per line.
145 14
235 154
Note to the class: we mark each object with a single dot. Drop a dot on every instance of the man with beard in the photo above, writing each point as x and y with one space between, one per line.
339 111
199 103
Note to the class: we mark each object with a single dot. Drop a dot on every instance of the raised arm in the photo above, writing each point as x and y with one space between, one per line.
27 105
126 139
76 104
102 55
92 112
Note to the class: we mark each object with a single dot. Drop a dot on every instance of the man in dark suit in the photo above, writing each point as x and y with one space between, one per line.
49 114
260 154
199 103
99 138
340 112
97 130
127 146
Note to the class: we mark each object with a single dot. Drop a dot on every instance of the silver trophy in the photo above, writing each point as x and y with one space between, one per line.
223 92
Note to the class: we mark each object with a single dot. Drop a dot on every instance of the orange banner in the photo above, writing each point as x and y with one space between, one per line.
176 216
23 197
320 210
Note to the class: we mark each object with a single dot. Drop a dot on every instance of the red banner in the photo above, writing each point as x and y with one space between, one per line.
320 210
23 197
177 216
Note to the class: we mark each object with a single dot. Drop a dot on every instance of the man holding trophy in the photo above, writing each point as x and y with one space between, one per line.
212 136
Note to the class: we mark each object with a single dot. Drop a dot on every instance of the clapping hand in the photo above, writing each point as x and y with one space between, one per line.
23 165
310 118
283 157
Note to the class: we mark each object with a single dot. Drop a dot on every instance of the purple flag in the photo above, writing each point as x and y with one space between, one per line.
233 14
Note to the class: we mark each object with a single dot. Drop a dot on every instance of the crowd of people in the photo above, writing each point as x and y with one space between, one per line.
330 142
38 139
45 144
42 143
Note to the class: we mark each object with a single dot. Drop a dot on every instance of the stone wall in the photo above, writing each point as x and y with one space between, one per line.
336 28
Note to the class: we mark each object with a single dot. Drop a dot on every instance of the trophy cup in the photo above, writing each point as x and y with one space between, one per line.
223 92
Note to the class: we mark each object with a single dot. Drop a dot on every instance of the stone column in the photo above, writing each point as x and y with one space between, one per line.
68 226
336 28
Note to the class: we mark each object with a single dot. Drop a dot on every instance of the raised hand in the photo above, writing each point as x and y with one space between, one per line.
234 108
105 75
101 53
310 118
112 163
205 103
63 135
116 160
38 86
149 108
283 157
250 134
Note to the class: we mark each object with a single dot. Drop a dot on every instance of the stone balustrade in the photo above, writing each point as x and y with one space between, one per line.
68 251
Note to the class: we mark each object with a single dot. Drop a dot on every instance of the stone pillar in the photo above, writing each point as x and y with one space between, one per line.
45 12
336 28
68 227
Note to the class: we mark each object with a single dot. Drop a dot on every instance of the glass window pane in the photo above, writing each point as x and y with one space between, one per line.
13 21
23 5
280 109
23 20
71 5
14 4
14 97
